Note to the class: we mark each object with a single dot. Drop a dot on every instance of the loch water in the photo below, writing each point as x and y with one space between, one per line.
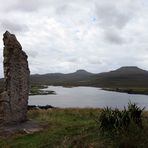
87 97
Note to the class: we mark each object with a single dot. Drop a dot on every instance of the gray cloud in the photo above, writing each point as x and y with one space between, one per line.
13 26
27 6
115 13
63 36
110 16
62 9
113 36
113 17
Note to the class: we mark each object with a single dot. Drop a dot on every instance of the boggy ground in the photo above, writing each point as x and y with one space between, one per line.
75 128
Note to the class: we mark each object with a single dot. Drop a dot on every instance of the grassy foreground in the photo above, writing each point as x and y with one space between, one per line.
76 128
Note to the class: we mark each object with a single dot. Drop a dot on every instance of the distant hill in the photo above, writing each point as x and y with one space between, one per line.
130 76
129 70
60 78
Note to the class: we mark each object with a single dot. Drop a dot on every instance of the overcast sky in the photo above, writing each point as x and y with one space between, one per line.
66 35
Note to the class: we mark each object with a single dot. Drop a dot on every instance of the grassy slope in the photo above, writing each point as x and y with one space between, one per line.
75 128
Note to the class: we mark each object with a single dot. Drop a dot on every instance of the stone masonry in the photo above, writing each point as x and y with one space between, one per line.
14 99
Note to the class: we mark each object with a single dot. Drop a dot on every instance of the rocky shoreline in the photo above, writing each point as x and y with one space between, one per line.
36 107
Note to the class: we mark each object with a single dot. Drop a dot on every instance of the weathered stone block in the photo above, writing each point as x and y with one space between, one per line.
14 99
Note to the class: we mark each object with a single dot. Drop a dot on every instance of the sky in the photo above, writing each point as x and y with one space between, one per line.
67 35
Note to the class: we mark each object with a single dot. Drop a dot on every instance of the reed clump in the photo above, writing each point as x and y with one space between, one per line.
115 119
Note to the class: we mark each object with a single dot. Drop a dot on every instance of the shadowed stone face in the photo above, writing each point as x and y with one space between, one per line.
14 99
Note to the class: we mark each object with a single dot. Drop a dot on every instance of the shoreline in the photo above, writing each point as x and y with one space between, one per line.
39 90
36 107
138 91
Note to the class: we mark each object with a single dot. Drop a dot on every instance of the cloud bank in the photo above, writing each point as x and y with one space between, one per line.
63 36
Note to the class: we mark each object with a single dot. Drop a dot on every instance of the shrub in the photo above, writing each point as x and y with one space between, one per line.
114 119
135 113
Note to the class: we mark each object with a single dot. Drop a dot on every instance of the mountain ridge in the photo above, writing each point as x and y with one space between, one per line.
130 69
127 76
60 78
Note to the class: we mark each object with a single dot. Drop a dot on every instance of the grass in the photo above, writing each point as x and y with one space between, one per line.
76 128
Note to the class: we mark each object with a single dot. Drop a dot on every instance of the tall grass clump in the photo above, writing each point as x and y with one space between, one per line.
135 113
115 119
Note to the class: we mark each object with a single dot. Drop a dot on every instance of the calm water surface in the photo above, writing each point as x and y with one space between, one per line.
87 97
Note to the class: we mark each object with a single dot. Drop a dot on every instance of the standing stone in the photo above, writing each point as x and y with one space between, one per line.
14 99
